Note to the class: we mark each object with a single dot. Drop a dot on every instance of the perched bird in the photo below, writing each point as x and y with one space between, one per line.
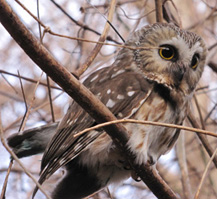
153 80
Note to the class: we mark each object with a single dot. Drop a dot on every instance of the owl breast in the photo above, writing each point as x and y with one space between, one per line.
149 142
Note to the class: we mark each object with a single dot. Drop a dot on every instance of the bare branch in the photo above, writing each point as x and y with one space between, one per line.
98 46
159 11
2 196
182 159
213 66
202 138
204 174
197 130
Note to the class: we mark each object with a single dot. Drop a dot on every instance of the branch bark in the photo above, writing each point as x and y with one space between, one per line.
159 10
98 46
40 55
202 138
213 66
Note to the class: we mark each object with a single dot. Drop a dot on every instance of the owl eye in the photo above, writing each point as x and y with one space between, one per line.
195 61
168 52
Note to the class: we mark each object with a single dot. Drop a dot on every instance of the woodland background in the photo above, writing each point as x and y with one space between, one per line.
183 168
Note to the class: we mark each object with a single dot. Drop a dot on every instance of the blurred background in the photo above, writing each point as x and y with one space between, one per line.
184 166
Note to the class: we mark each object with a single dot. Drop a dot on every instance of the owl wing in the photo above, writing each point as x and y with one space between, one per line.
122 91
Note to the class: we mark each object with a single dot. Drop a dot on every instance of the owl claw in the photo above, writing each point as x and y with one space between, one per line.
138 179
135 177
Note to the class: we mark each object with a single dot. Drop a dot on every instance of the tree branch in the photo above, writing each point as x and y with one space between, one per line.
202 138
159 10
40 55
98 46
84 26
213 66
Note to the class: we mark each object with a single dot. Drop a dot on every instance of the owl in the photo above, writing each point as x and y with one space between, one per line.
154 80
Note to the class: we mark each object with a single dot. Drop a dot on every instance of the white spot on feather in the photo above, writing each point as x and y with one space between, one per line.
94 78
117 73
120 96
108 91
130 93
120 115
110 103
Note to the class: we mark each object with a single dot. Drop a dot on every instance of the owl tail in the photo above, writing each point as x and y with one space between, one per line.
33 141
79 182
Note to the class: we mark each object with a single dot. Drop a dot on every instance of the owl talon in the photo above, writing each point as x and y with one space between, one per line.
135 177
138 179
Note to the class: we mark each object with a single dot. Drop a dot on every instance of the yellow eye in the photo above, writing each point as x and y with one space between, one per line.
195 61
168 52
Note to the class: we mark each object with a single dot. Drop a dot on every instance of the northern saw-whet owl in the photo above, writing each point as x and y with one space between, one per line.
154 81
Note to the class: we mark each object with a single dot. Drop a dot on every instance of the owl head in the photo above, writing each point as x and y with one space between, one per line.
168 55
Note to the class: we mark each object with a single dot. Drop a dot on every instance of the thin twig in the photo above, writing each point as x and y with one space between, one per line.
105 5
99 42
159 11
111 13
182 160
39 26
50 99
201 21
168 14
204 175
202 138
85 27
2 196
26 106
28 109
33 110
29 79
48 30
197 130
9 83
97 48
199 112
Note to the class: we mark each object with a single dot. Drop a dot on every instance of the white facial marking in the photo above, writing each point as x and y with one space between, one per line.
197 48
185 54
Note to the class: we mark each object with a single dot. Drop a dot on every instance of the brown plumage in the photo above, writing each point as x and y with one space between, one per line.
154 82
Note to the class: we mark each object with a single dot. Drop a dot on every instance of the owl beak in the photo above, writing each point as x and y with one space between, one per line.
179 73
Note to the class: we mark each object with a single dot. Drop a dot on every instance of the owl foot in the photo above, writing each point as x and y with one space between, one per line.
135 176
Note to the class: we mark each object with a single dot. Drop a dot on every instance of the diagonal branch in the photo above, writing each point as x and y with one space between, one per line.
202 138
40 55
